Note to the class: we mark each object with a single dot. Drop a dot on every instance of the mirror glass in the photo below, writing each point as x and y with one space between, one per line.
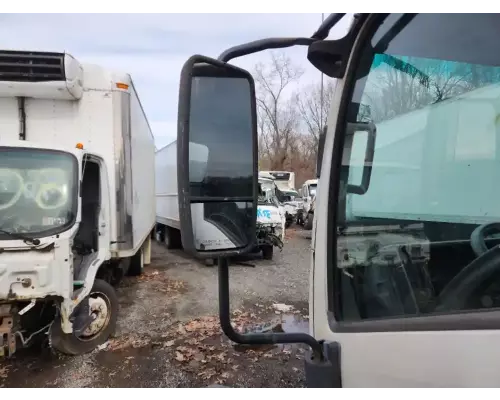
358 154
221 162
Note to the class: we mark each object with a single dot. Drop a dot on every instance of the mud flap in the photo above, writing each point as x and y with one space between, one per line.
324 373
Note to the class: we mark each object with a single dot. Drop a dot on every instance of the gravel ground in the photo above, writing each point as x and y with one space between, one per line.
168 332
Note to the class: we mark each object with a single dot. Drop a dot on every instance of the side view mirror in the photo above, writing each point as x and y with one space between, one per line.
217 177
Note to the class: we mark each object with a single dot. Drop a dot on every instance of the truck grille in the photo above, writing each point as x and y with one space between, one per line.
31 66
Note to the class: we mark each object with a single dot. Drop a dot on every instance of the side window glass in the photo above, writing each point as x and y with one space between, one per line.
406 245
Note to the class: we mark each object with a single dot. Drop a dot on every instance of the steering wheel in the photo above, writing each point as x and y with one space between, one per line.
462 286
477 239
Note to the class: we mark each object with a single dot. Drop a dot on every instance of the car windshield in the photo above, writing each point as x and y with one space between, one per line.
312 189
267 193
37 191
290 195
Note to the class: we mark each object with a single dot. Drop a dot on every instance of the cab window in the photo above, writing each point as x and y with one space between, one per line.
412 240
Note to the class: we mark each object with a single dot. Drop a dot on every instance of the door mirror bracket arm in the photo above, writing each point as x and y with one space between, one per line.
257 338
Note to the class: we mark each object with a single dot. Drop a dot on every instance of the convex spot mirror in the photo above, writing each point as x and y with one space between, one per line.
360 139
217 158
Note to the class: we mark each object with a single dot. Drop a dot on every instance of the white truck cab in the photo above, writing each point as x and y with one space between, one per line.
405 260
308 192
76 198
270 218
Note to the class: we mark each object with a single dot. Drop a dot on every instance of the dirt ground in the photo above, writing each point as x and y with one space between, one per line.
168 331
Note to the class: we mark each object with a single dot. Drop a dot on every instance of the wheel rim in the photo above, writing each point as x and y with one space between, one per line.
99 308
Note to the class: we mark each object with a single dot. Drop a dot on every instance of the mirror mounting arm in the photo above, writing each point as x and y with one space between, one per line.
280 43
256 338
261 45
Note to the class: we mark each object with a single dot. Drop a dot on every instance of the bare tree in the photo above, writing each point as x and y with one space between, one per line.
277 110
314 105
394 90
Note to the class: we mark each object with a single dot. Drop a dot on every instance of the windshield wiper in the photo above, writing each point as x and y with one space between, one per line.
25 239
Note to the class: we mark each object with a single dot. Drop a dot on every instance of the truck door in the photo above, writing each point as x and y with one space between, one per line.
406 277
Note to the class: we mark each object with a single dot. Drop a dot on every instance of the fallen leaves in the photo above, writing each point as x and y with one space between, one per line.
125 342
162 283
4 371
199 347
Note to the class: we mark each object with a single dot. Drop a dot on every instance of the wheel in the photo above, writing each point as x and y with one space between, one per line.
103 304
136 267
308 223
267 252
173 238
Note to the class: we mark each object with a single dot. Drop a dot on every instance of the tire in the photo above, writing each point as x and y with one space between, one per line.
136 267
267 252
173 238
70 344
308 223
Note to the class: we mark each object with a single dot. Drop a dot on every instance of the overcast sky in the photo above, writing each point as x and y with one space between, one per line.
153 47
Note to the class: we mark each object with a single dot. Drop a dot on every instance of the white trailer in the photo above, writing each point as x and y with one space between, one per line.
76 197
167 203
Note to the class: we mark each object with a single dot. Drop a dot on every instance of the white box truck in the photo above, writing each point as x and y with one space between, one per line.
76 198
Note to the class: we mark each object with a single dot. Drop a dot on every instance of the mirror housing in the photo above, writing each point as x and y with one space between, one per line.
217 175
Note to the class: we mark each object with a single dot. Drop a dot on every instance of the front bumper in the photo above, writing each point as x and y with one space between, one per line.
266 234
34 274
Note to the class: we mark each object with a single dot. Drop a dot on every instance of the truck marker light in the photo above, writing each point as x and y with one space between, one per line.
122 86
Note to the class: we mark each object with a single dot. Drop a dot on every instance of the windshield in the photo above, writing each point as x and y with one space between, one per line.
38 191
289 195
312 189
267 193
433 95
